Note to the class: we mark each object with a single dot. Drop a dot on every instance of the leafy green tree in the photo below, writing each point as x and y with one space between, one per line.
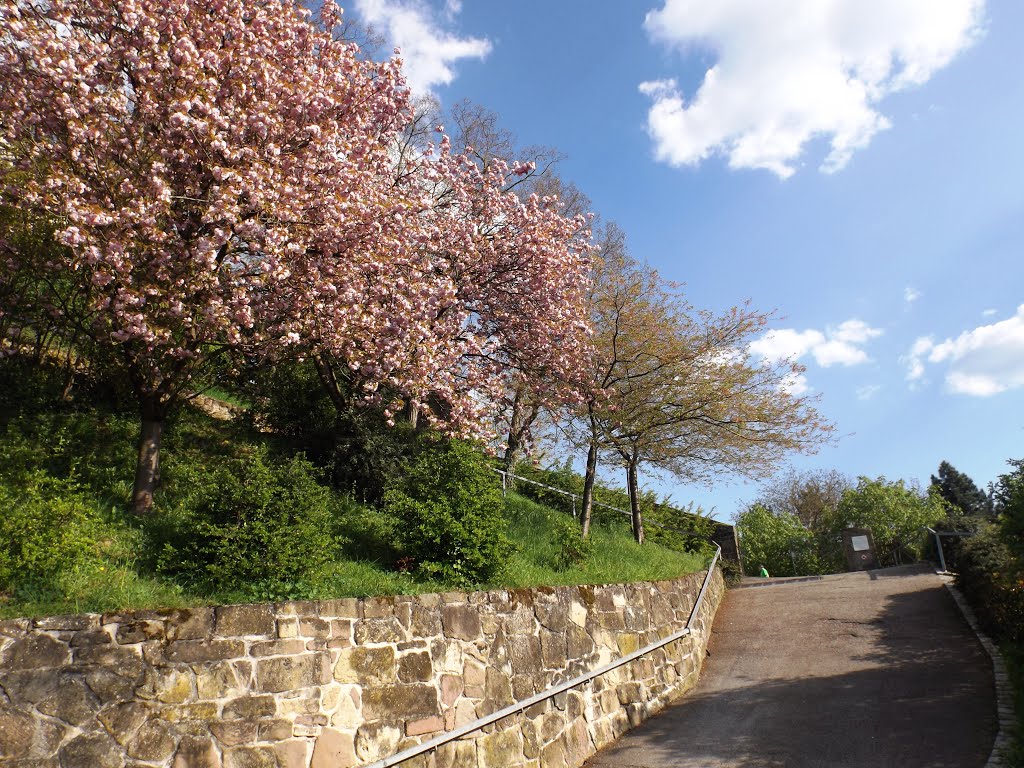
1008 503
778 541
960 491
894 511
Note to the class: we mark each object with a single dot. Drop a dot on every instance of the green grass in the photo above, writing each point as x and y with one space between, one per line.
81 455
615 556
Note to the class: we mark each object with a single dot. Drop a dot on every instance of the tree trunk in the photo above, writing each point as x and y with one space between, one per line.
147 469
634 501
588 487
523 416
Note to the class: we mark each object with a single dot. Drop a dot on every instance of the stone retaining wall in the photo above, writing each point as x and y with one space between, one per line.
344 682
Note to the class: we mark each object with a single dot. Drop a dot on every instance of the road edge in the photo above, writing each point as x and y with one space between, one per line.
1006 721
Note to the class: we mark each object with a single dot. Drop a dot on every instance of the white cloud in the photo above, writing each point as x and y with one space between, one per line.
910 295
841 345
989 312
983 361
428 52
868 391
788 71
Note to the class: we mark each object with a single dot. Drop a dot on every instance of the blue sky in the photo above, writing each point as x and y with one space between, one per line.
855 165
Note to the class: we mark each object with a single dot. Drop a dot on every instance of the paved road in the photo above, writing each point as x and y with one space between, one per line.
874 670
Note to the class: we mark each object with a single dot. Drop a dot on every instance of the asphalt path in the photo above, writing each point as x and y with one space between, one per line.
872 670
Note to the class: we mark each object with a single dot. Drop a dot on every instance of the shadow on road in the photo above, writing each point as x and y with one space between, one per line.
856 672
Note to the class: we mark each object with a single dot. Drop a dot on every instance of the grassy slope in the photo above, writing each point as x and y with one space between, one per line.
97 446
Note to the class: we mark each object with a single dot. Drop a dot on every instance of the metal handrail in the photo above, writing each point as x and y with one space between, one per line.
575 496
519 706
938 543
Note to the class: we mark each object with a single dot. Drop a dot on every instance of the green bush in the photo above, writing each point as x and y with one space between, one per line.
993 579
248 525
573 549
48 530
359 451
450 514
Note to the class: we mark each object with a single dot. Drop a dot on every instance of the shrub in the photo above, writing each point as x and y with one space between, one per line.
449 509
359 451
573 549
993 579
248 525
48 530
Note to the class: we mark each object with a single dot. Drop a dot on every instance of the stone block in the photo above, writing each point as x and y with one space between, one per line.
273 730
375 741
532 741
109 686
152 742
174 686
292 753
196 752
497 689
424 725
553 755
577 742
140 631
17 732
72 622
366 666
92 750
553 612
451 688
501 749
579 644
400 702
89 637
189 623
193 651
460 621
287 673
288 627
456 754
415 668
314 626
122 720
250 707
334 749
216 680
348 713
423 621
553 649
378 607
306 704
233 733
289 647
379 630
245 620
628 642
250 757
35 652
203 712
342 608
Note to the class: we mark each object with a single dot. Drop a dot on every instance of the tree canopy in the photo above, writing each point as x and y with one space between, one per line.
227 177
960 491
674 387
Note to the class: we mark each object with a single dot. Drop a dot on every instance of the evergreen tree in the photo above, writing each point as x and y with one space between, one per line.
960 491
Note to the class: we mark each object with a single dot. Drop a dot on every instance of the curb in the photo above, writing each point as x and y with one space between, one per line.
777 582
1004 691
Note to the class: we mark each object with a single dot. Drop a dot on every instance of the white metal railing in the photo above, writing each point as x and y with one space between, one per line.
574 496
